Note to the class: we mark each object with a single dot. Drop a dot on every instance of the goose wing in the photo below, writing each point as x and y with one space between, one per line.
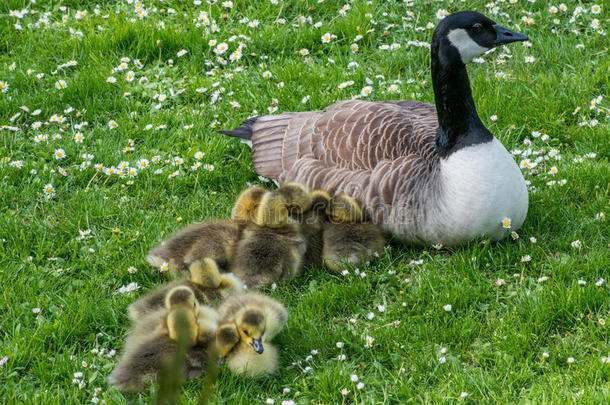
351 138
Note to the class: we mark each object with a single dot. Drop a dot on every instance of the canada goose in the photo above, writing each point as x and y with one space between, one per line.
347 235
270 248
239 356
426 173
152 342
208 239
206 282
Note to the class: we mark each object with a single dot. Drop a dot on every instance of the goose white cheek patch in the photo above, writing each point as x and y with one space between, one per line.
465 45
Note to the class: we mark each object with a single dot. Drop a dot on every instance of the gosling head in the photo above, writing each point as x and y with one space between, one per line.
462 36
272 211
298 198
250 323
344 209
181 297
181 319
247 202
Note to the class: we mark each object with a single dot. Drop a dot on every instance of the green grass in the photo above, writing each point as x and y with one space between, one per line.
493 339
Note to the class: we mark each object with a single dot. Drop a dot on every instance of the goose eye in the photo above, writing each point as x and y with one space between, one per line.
245 332
476 27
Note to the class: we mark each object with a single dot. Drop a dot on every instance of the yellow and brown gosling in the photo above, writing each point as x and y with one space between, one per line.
249 321
308 208
209 239
240 358
348 237
270 246
206 282
152 343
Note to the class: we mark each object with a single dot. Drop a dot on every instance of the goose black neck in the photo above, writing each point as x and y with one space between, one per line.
459 123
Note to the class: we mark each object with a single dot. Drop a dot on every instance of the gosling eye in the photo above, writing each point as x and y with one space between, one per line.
476 27
245 332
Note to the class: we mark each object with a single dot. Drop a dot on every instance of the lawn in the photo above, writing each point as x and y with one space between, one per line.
90 92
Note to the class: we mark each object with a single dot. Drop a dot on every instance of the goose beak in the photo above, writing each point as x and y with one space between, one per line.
505 36
257 345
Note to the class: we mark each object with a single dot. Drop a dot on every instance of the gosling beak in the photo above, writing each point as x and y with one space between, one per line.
257 345
505 36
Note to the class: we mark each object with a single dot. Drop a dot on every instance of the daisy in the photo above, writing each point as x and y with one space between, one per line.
326 38
267 74
368 341
221 48
130 76
393 89
78 137
526 258
142 163
595 9
49 190
506 223
440 14
164 267
304 52
576 244
132 270
61 84
111 79
182 53
112 124
59 154
447 307
366 91
3 86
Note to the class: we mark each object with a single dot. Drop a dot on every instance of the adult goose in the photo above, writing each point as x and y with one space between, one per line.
426 173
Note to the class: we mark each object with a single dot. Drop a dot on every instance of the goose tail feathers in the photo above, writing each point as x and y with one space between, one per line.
244 131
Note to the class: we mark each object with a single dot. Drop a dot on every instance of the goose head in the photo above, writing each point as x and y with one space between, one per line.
462 36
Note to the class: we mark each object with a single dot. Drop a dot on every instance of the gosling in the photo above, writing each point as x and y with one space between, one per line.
152 343
249 321
206 282
270 245
348 237
208 239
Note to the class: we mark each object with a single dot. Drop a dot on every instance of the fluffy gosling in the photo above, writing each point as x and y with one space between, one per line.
249 322
208 239
152 345
270 246
206 282
347 236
